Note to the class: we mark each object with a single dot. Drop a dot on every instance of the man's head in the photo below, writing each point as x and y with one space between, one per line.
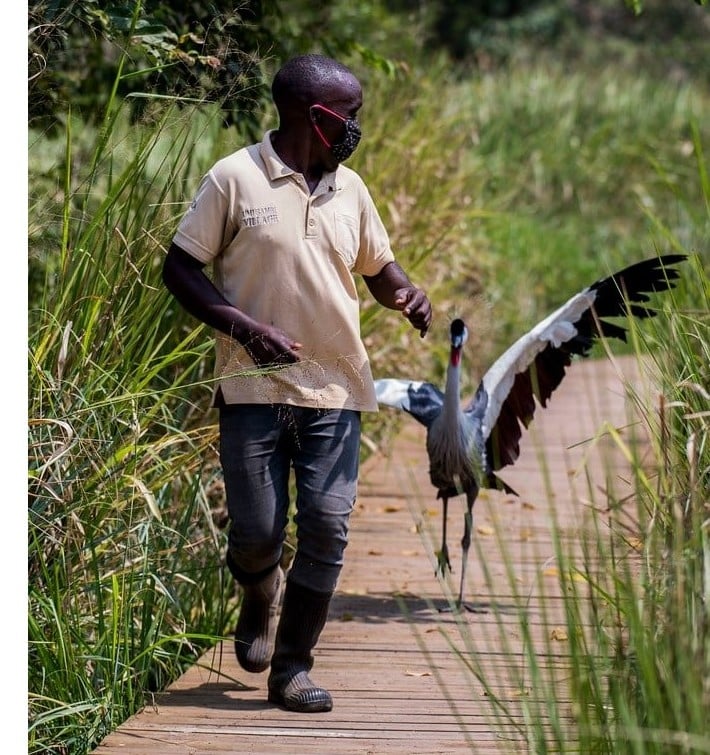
320 95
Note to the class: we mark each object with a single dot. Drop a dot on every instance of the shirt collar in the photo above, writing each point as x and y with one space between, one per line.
277 168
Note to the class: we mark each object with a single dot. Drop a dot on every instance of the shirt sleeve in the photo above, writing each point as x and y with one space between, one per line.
206 227
375 251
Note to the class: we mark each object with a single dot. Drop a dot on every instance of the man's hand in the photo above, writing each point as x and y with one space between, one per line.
268 346
415 306
392 288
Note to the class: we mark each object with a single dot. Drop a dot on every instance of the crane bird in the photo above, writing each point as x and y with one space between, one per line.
467 446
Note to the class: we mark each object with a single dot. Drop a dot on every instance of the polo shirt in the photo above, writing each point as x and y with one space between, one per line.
286 257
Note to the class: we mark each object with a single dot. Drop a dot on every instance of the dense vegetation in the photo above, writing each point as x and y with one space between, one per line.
225 52
509 174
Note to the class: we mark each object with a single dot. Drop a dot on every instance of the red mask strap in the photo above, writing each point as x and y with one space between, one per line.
321 135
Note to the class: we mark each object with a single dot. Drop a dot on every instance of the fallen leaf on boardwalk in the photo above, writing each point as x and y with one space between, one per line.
374 553
553 571
525 535
558 634
528 505
347 616
485 531
391 509
635 542
417 673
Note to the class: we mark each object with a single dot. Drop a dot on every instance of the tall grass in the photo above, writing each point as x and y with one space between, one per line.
497 192
126 583
660 676
640 677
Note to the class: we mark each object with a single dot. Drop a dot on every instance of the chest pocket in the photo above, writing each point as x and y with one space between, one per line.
347 238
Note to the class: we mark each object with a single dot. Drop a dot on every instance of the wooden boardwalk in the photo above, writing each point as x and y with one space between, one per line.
393 662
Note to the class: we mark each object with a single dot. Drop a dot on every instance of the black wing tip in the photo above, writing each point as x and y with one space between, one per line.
660 267
671 259
618 293
664 260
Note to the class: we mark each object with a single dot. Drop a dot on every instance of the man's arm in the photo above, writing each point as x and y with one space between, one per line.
392 288
184 277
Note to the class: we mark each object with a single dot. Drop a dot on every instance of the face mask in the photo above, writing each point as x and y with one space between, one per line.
351 138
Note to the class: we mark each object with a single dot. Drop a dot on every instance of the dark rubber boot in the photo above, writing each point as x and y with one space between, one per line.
256 625
303 617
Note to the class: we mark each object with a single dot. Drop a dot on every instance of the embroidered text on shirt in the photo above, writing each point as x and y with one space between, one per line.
252 216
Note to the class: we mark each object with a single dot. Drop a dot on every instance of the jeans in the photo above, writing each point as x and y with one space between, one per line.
258 445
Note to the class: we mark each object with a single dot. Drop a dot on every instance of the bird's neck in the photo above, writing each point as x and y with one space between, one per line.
452 399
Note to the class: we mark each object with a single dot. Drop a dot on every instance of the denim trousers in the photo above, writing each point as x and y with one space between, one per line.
259 445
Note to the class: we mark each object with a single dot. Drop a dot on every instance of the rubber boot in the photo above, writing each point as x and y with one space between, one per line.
256 625
303 617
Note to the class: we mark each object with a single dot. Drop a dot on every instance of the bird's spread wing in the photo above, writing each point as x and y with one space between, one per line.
535 364
422 400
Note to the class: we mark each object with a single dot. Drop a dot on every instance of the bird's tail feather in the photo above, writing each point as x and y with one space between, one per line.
495 483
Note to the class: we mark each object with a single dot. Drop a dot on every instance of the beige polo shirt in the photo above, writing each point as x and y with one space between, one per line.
287 257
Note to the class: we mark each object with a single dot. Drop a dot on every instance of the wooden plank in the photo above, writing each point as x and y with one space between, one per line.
396 665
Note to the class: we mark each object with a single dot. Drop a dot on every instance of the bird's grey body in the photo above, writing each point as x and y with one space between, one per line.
466 446
454 454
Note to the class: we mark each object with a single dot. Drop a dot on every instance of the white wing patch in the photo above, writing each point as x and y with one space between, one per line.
394 392
554 330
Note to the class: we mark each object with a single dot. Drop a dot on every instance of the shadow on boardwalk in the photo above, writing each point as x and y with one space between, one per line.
392 660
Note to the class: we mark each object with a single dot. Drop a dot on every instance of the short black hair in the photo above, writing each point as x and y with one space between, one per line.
306 78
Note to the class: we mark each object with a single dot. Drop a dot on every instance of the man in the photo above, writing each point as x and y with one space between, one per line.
284 226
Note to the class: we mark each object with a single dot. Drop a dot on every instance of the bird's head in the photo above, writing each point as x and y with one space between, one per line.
459 335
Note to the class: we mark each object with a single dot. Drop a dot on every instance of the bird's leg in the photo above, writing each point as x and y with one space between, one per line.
442 557
465 545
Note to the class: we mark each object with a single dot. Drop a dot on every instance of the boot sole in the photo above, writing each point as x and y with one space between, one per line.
322 705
